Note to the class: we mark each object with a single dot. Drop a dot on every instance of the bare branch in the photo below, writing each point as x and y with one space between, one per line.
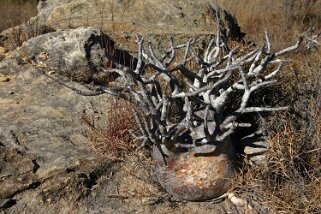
267 40
263 109
289 49
139 66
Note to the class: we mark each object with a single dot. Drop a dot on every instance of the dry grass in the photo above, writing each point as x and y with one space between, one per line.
291 181
257 15
114 139
16 12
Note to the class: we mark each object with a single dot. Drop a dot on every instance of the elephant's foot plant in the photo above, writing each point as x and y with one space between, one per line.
180 100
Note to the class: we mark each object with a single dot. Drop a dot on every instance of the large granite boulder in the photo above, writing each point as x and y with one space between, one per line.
78 54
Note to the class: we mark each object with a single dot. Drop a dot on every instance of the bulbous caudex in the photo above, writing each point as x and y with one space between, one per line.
196 177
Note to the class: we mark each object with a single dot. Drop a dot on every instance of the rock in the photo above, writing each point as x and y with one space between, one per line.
122 20
255 147
256 152
42 139
75 53
4 78
228 23
3 51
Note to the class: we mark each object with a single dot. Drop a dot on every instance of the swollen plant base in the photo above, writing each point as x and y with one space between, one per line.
195 177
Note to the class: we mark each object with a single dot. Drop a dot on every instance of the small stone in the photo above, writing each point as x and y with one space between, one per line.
3 51
4 79
11 92
77 163
145 200
256 152
43 55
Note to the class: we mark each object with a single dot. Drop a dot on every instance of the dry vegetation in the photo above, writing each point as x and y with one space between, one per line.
291 182
14 12
114 140
283 19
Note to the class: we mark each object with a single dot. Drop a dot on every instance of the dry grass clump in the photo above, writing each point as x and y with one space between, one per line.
291 181
114 139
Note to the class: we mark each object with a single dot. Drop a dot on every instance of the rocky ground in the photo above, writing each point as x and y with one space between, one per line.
47 162
123 20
